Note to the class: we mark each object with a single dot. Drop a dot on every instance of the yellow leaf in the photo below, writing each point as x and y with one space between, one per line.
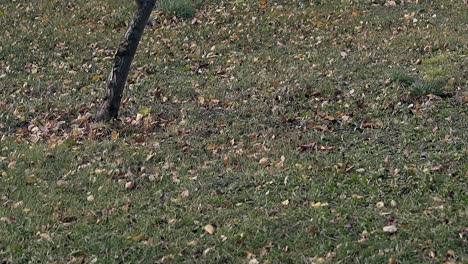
31 179
316 205
99 171
97 77
144 111
201 100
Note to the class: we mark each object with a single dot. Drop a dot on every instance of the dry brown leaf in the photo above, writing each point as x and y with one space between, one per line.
263 161
209 229
44 236
138 238
185 194
114 134
214 146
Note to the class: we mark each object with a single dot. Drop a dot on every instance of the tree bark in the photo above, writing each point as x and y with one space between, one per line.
123 59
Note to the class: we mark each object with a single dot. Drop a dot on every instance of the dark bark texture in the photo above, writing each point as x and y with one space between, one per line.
122 60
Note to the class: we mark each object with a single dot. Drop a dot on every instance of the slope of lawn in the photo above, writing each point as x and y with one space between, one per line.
250 132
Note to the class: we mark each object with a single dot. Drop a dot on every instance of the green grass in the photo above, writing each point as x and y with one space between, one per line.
179 8
297 129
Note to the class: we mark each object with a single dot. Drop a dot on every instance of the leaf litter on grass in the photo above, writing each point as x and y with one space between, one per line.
276 125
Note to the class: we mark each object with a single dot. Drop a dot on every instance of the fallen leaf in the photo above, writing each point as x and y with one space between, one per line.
138 238
114 134
318 204
390 229
201 100
17 204
130 185
321 128
12 165
436 167
31 179
206 251
214 146
149 157
209 229
185 194
372 125
314 260
309 146
355 13
144 111
97 77
263 161
253 261
44 236
326 148
6 220
192 243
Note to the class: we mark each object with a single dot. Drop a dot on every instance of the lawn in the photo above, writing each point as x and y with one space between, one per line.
250 132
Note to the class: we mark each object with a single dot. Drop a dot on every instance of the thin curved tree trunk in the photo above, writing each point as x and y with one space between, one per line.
123 59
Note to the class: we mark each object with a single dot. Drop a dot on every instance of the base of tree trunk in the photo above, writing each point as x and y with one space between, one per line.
122 60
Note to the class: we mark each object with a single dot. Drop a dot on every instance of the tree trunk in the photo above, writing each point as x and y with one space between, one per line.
123 59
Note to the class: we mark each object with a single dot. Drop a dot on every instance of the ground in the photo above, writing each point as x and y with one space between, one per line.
255 131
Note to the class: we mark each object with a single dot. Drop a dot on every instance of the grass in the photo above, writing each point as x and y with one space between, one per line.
298 130
180 8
